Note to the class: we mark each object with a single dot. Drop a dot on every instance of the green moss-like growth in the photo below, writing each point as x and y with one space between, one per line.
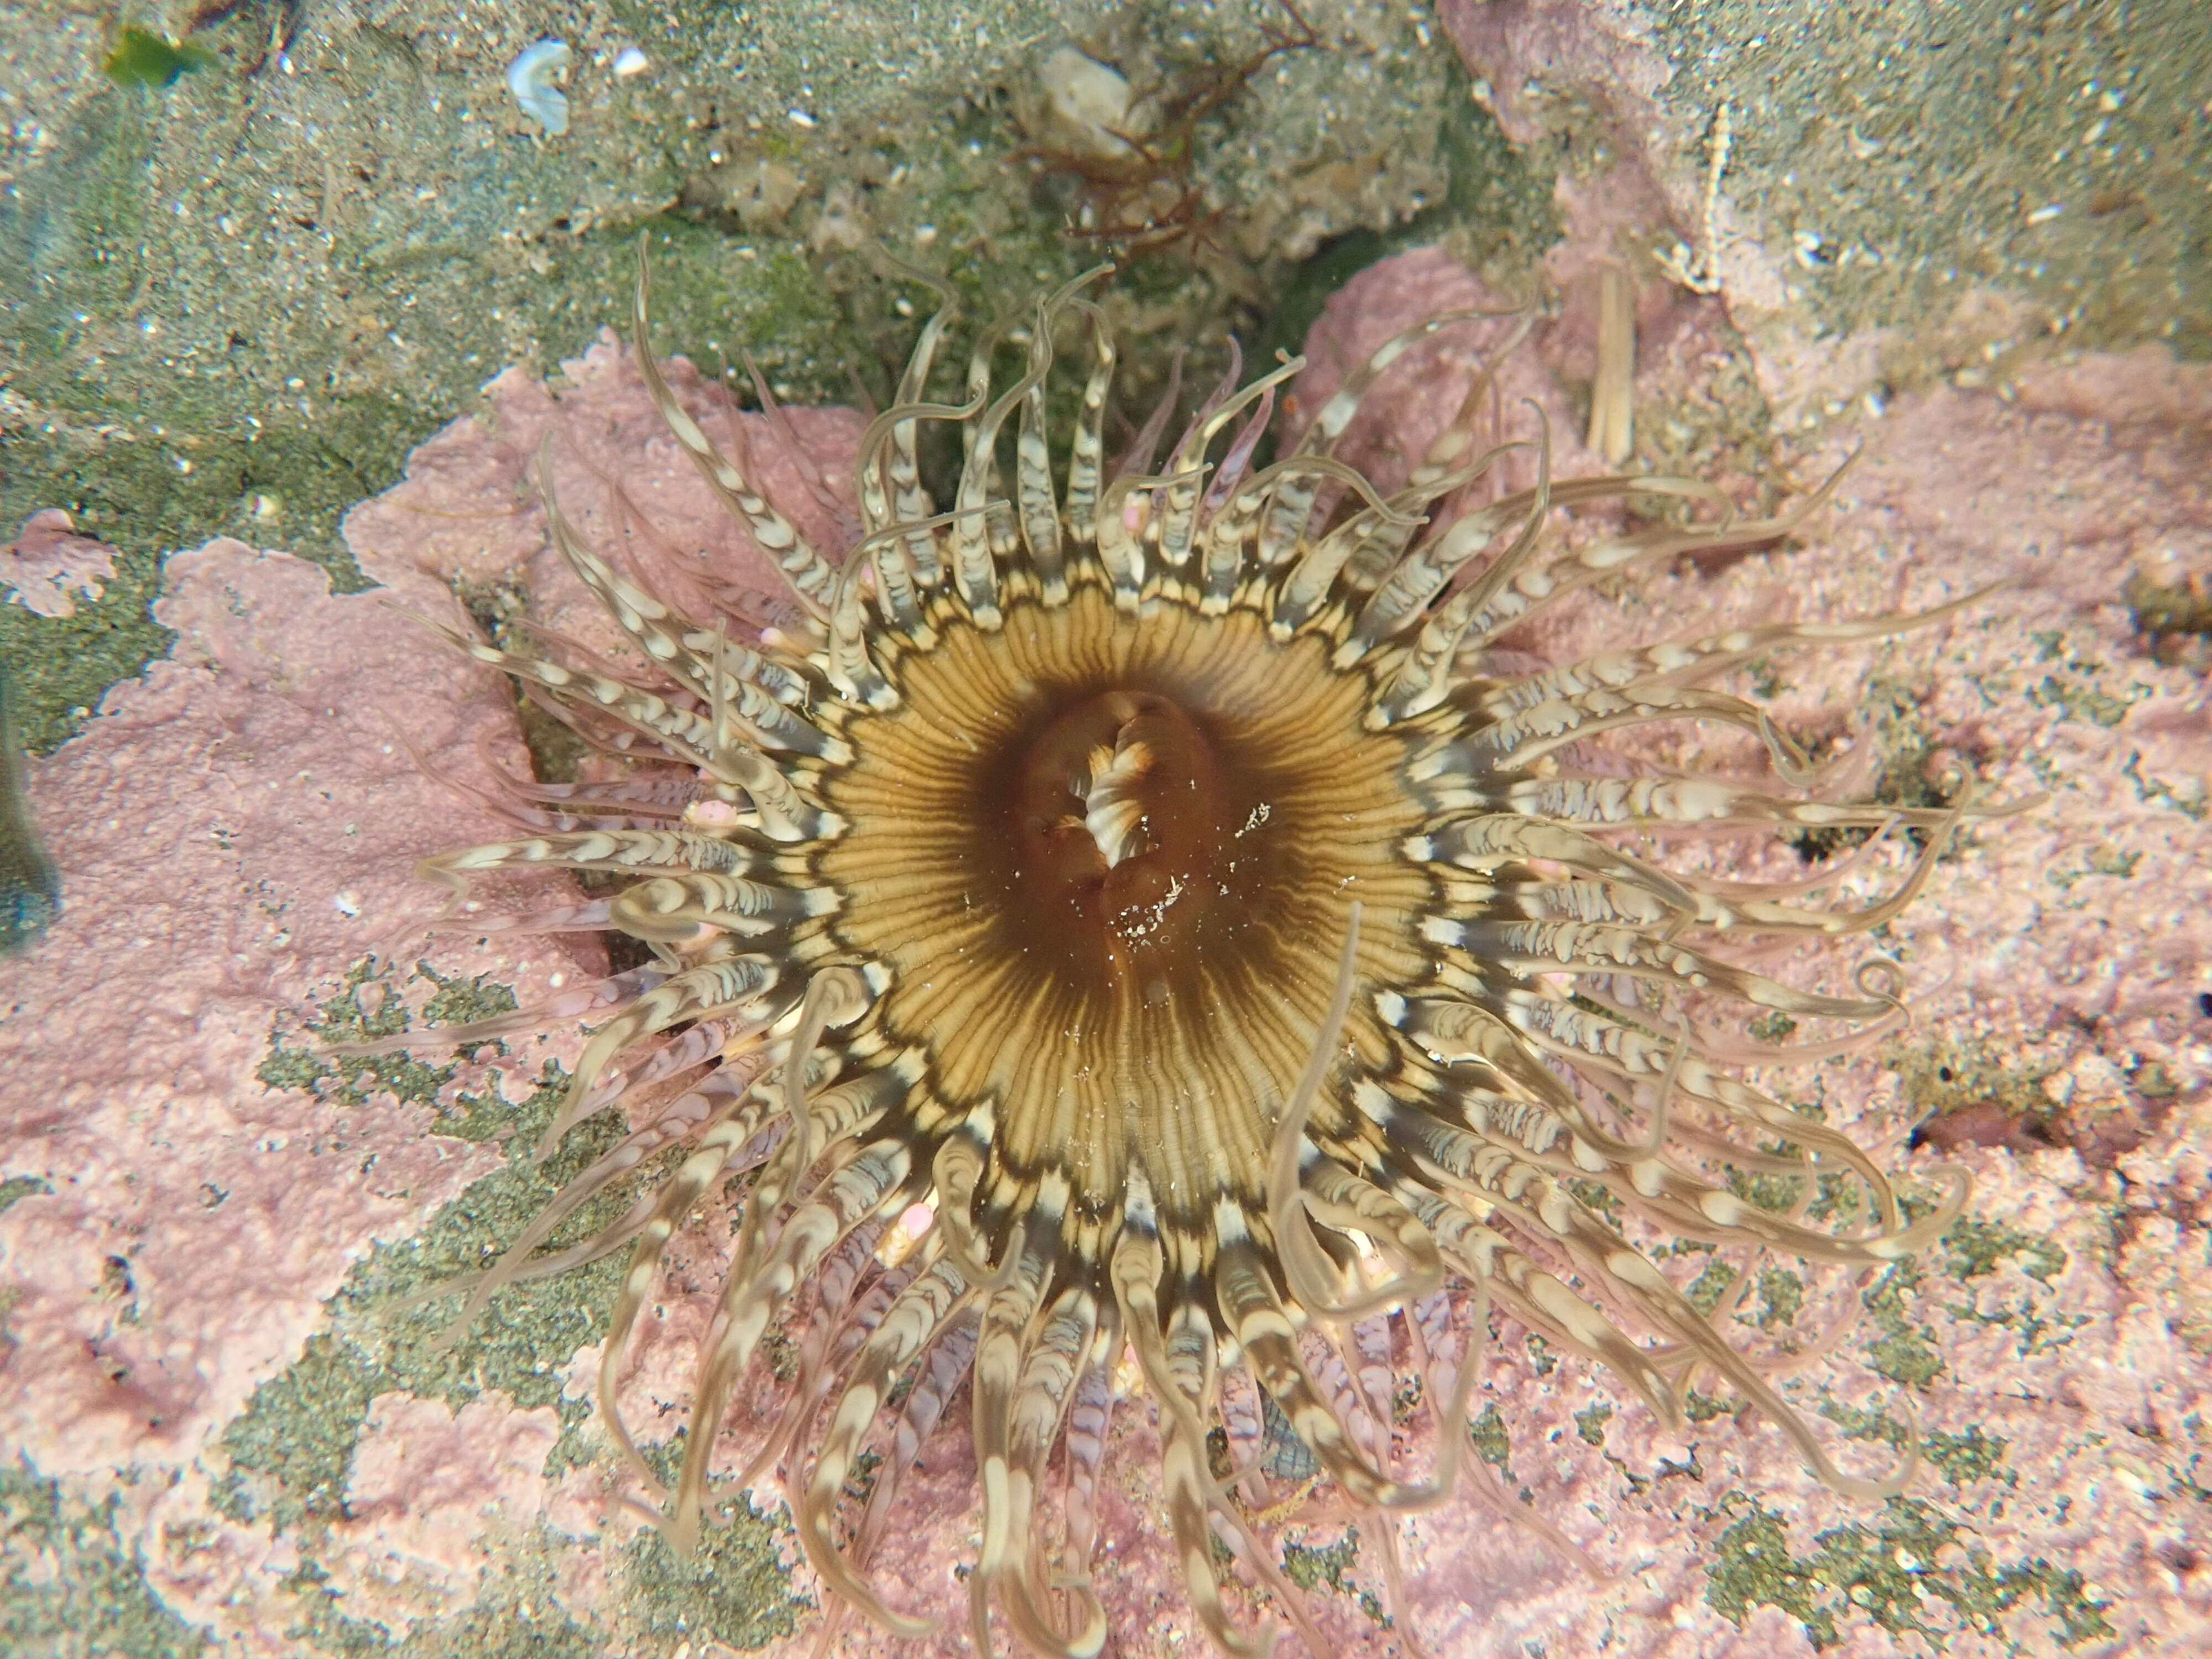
142 59
515 1616
734 1591
1969 1456
1492 1442
17 1187
1752 1563
1887 1573
1973 1247
69 1584
1311 1569
61 666
344 1017
291 1451
1903 1348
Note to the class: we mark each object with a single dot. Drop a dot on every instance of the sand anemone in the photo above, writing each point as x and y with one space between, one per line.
1140 932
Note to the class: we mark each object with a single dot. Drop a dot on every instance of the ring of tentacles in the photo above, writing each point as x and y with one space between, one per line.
1136 937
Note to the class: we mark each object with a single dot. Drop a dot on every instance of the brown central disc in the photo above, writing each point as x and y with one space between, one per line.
1113 833
1110 861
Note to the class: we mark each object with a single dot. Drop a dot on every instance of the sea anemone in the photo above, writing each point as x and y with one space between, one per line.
1149 913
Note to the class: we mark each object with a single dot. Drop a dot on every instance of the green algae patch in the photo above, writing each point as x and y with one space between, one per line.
1590 1421
61 666
144 59
1974 1247
514 1617
15 1189
1970 1454
1889 1573
734 1591
1903 1349
69 1585
1321 1568
291 1451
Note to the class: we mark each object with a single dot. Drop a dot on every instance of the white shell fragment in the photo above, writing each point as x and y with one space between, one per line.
630 61
1090 102
531 78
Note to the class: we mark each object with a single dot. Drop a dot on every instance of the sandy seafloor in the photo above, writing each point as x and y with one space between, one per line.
224 1426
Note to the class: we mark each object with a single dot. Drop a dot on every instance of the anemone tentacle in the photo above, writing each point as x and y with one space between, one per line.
1136 913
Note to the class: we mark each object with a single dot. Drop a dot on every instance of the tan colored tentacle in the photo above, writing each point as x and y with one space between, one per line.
910 501
956 1172
729 1131
1459 1032
1308 584
1710 654
942 1370
783 813
852 669
1484 843
688 1117
1668 1308
920 1311
1579 947
1285 525
744 984
1264 1328
836 996
1089 1420
657 630
1337 1198
630 852
1039 512
1311 1275
1137 1269
1051 1362
1545 1303
866 1181
1637 803
1585 1038
1419 577
1124 527
1333 1195
1086 458
672 909
1007 1311
811 576
1535 590
1188 467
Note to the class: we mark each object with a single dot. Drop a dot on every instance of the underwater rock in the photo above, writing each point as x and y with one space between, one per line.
2054 1355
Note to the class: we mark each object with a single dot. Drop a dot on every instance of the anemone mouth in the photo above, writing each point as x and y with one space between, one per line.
1155 882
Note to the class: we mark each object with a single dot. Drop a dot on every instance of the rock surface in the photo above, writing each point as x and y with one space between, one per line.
209 1351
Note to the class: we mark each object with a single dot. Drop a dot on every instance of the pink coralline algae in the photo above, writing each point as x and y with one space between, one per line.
237 829
49 565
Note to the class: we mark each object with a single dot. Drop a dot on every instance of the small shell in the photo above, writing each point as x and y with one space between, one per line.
530 77
631 61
